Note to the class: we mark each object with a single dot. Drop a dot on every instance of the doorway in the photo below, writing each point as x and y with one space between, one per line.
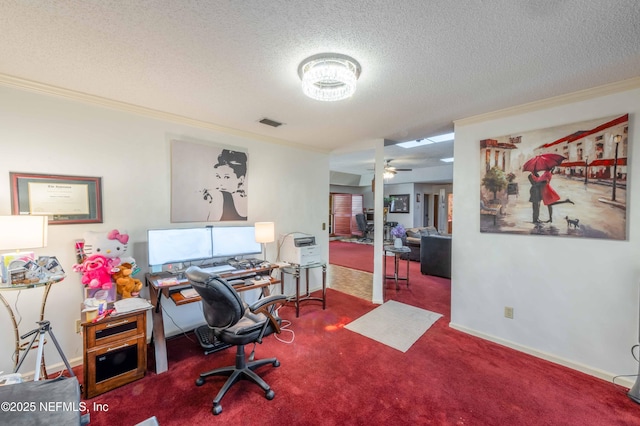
436 203
426 207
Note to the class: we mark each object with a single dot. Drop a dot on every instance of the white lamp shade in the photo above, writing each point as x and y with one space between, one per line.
23 232
265 232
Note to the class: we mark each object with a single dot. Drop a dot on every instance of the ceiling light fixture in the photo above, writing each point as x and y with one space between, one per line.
329 76
387 174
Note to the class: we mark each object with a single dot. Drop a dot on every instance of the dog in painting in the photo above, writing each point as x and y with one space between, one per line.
573 222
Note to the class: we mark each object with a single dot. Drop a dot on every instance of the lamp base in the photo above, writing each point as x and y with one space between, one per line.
634 392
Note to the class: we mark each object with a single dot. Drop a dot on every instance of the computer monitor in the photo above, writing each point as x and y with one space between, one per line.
230 241
178 245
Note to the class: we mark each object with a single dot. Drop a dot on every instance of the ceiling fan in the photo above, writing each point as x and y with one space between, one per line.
390 171
388 168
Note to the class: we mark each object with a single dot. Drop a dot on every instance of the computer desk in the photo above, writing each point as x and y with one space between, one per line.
157 288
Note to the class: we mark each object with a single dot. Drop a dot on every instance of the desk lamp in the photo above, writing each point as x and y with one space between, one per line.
265 233
21 232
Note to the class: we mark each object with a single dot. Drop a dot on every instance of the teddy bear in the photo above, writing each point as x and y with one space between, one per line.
126 285
96 272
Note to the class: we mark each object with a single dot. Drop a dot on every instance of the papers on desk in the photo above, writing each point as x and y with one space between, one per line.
188 293
131 304
162 282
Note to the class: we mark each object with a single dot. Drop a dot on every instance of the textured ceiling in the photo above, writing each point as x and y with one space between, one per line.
231 63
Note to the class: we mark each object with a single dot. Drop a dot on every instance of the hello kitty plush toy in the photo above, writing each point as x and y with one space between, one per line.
113 245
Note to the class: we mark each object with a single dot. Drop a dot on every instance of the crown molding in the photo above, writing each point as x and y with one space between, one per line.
46 89
594 92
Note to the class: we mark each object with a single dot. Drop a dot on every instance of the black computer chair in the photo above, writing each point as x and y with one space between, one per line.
364 227
235 323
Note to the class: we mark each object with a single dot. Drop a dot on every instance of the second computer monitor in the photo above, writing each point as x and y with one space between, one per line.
231 241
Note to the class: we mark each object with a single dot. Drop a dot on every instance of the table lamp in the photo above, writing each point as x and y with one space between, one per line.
21 232
265 233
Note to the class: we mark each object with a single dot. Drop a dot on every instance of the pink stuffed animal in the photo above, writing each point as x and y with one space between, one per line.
96 272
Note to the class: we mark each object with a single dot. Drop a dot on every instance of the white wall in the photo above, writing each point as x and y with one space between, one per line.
575 300
49 134
406 219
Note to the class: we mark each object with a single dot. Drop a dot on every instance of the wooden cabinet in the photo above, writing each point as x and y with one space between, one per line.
344 208
115 352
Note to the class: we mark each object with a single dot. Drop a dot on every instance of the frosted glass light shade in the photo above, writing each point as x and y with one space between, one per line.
329 76
23 232
265 232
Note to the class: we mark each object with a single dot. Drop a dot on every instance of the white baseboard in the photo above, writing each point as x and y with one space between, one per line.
604 375
52 369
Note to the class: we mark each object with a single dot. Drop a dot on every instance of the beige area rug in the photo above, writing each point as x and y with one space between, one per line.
394 324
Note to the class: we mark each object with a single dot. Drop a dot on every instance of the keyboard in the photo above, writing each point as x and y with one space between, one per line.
208 342
219 269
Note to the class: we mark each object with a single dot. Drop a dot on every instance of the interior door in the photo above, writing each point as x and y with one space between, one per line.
436 203
426 207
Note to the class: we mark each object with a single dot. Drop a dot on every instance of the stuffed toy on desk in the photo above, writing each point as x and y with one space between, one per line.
126 285
113 245
96 272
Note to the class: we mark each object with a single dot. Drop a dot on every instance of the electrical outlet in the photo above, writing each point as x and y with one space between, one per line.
78 327
508 312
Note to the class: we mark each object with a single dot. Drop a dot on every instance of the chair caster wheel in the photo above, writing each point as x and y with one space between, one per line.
217 409
200 381
276 363
270 394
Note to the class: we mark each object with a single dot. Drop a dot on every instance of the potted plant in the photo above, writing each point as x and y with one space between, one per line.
398 232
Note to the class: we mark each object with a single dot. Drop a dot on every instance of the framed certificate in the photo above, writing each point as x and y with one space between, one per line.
65 199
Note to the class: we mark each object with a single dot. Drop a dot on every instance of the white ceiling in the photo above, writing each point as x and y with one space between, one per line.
232 63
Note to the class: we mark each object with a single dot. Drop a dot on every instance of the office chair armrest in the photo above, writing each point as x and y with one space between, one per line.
266 301
267 306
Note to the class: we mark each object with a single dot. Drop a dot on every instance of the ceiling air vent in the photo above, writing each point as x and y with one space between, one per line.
270 122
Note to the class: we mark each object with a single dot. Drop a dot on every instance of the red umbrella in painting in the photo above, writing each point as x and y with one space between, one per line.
543 162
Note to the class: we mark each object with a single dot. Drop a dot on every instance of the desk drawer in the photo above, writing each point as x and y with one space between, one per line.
115 330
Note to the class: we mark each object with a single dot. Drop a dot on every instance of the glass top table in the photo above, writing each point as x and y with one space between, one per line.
295 270
397 253
16 287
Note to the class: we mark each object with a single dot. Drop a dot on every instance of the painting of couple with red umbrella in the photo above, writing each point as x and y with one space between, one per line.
568 181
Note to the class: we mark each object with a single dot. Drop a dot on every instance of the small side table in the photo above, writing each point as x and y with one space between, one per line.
397 252
295 270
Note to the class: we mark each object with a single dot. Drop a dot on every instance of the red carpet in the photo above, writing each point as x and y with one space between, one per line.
351 255
332 376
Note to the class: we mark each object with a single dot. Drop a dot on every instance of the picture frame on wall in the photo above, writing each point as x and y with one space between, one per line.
399 203
565 181
209 182
64 199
